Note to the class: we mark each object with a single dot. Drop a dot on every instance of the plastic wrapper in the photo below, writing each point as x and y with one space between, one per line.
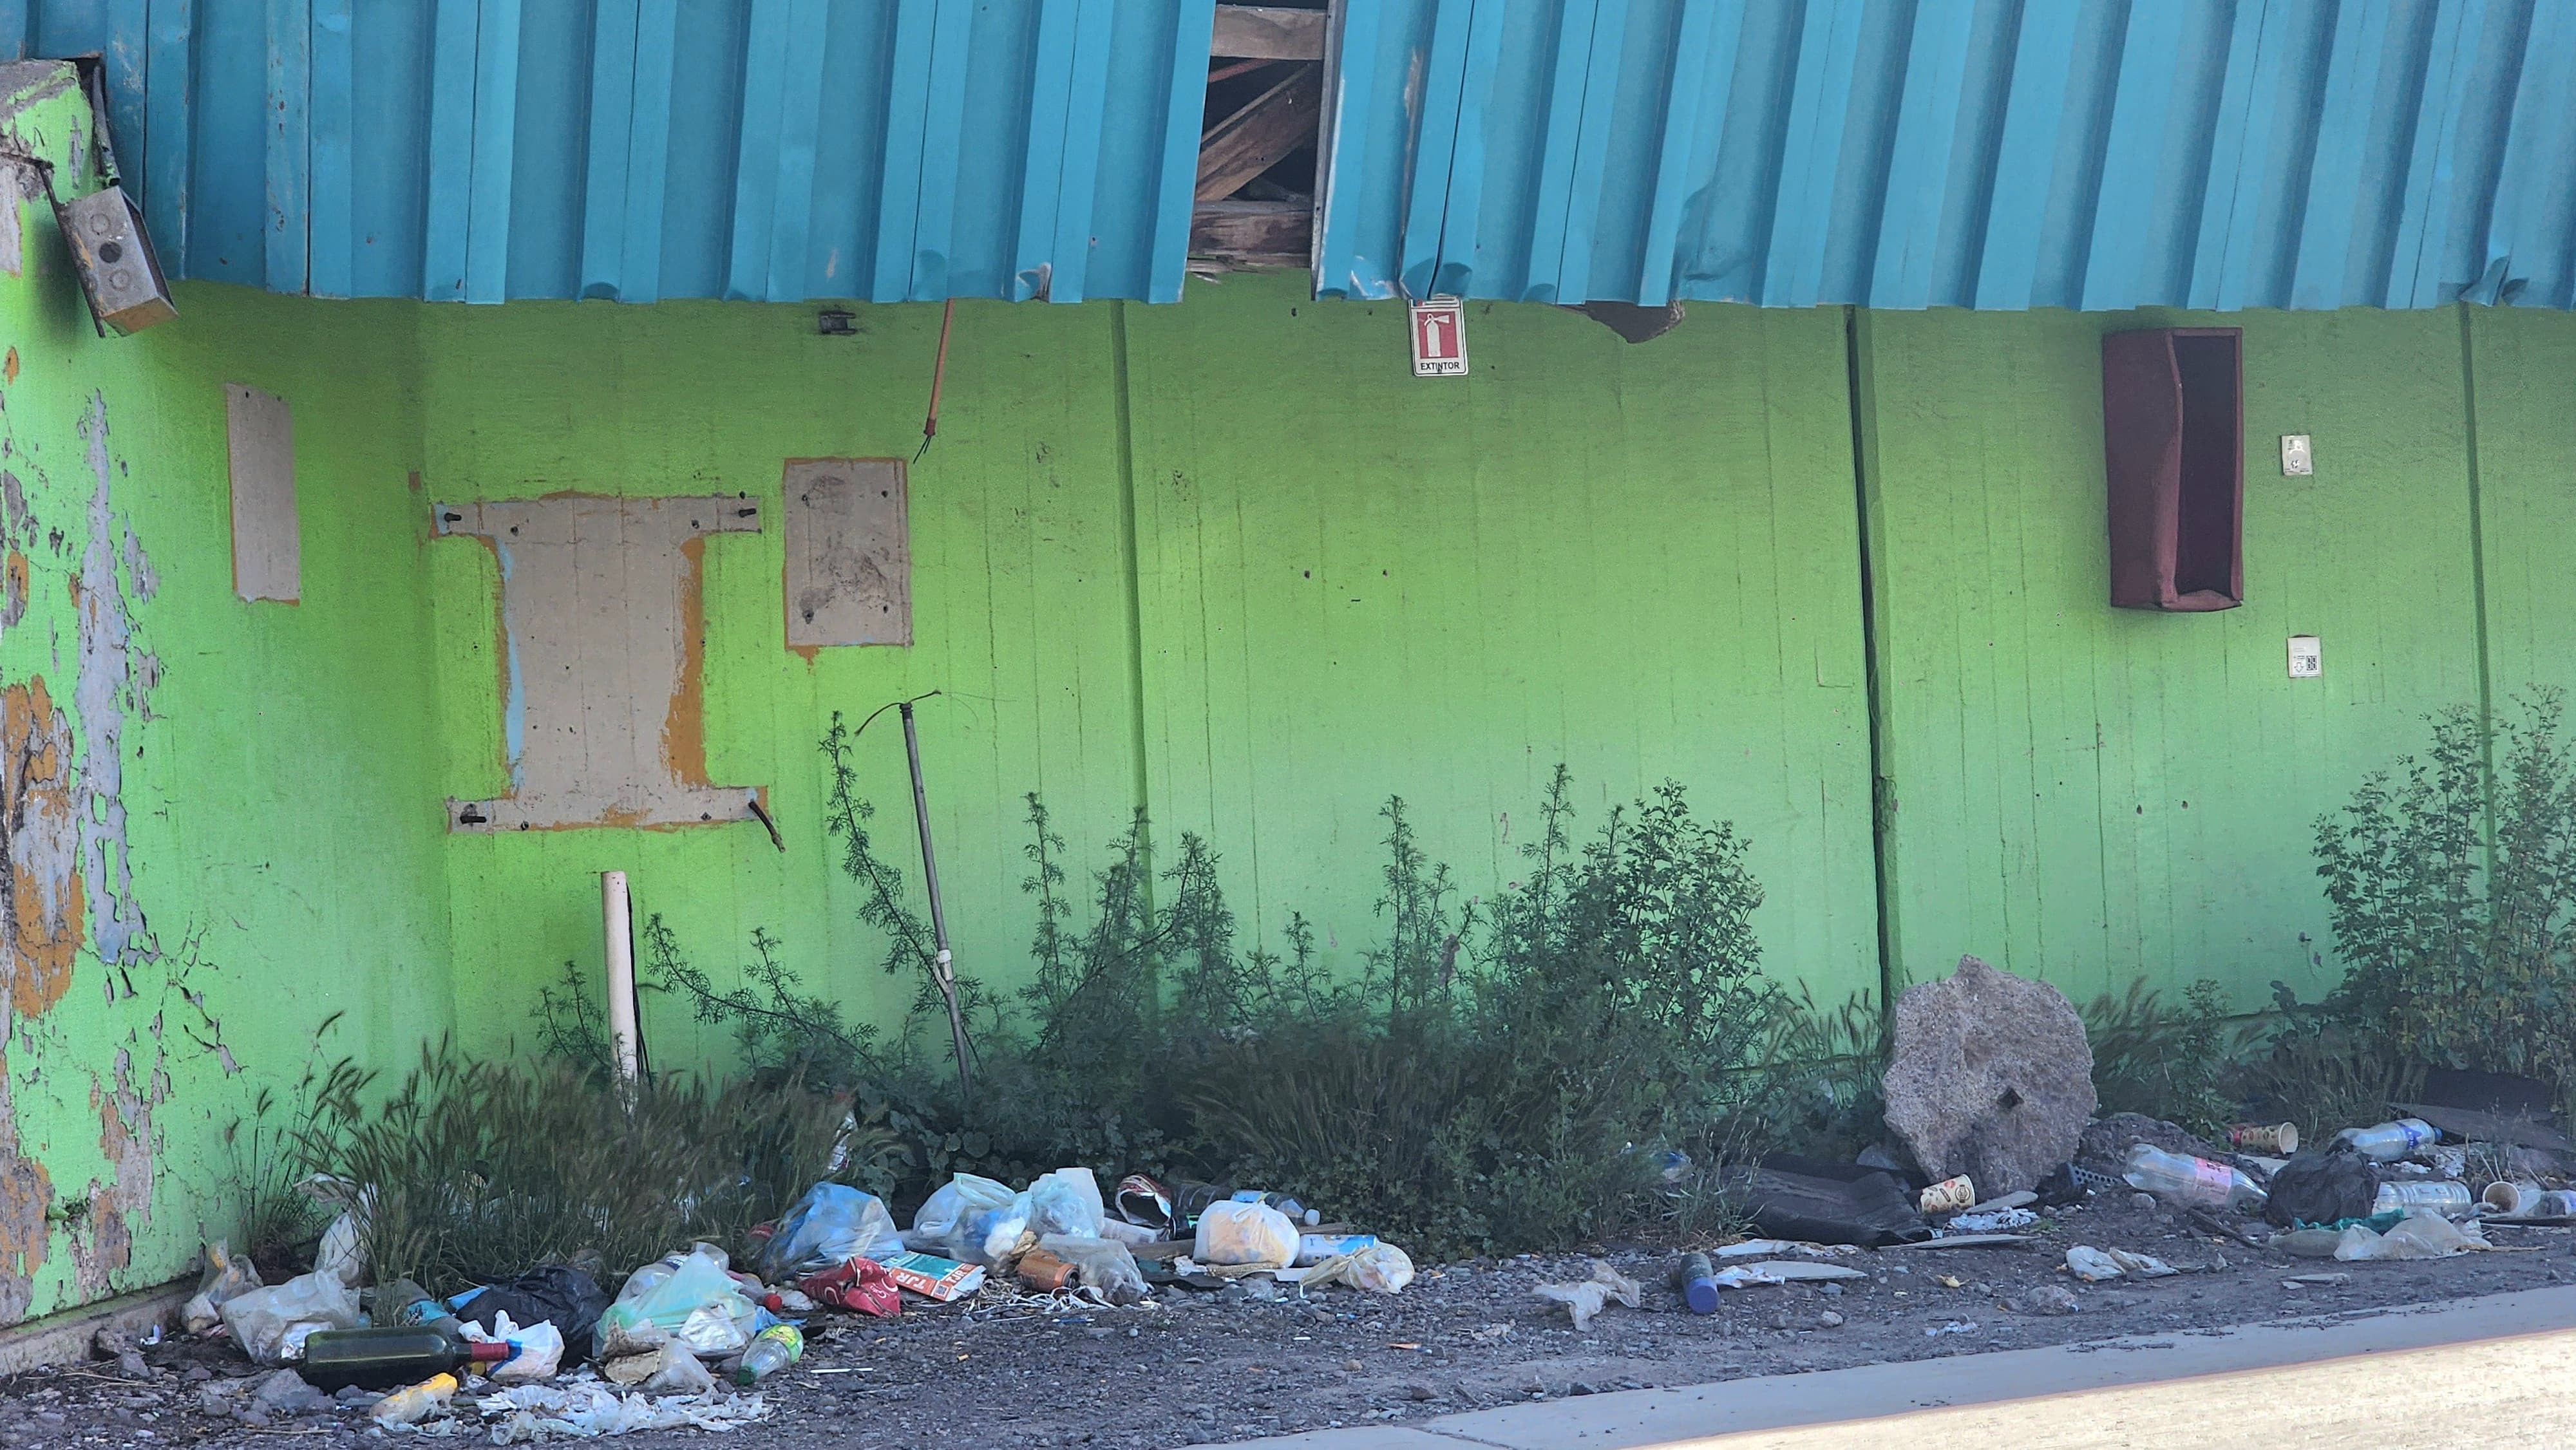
270 1324
831 1224
667 1370
860 1284
1231 1234
524 1413
1066 1201
943 1280
226 1278
2416 1236
694 1302
1380 1267
1588 1297
1102 1265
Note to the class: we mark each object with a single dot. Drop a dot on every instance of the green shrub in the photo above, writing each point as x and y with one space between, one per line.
481 1169
2162 1060
2451 895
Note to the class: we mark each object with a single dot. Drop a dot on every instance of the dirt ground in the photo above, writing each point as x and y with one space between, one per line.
1201 1367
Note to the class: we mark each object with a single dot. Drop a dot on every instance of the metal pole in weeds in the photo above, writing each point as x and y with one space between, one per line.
939 965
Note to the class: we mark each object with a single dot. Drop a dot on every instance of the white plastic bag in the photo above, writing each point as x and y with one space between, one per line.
1587 1297
1245 1233
271 1324
227 1278
1381 1267
537 1353
341 1255
1066 1201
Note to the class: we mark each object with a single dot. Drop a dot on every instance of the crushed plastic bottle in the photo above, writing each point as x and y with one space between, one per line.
772 1350
417 1403
2388 1142
2192 1182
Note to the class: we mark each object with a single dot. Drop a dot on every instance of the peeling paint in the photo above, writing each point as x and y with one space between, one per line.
26 1196
40 884
107 687
103 1238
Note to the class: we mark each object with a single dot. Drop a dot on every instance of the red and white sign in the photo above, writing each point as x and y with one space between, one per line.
1440 338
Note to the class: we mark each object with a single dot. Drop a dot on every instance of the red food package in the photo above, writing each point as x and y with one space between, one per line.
857 1284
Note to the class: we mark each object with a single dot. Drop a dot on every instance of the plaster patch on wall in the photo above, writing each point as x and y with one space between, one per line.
268 557
26 1196
849 561
41 908
603 640
116 675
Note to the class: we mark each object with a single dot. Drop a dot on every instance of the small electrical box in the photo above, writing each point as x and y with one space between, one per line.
2296 460
2307 657
113 254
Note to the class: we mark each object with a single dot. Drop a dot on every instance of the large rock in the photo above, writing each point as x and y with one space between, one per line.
1991 1077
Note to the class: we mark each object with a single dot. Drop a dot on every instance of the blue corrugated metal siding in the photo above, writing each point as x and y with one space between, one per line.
2099 154
637 149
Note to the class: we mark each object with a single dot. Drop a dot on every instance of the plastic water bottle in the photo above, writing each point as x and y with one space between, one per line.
1697 1281
773 1349
2192 1182
2389 1142
2451 1200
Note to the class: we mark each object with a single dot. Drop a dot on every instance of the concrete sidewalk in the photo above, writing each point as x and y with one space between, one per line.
2477 1370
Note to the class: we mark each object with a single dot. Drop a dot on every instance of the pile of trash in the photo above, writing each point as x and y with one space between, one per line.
551 1352
1992 1135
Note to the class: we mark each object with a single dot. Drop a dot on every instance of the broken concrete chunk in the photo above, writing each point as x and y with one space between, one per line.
1991 1077
1588 1297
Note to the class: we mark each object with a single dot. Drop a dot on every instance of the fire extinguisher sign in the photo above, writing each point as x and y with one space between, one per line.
1440 338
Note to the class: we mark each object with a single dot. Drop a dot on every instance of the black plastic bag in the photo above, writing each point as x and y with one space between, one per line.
2322 1185
558 1293
1830 1203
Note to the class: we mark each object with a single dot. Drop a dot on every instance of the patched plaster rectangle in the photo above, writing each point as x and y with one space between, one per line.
849 561
602 706
268 561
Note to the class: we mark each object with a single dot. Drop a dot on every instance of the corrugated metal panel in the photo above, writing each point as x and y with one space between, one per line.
638 149
2099 154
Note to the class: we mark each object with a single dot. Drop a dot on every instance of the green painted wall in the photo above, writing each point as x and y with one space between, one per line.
1227 560
263 773
1345 585
2087 794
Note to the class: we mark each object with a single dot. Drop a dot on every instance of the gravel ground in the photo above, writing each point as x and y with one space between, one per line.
1211 1367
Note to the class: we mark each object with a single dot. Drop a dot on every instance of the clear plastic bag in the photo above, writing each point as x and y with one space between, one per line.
954 1220
831 1224
1102 1265
1067 1202
694 1302
1380 1267
271 1324
227 1278
1245 1234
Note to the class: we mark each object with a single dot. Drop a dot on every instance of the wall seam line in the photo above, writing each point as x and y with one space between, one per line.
2478 580
1860 396
1130 537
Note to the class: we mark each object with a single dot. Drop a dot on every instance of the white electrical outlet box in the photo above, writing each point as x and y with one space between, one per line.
2296 460
2307 657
